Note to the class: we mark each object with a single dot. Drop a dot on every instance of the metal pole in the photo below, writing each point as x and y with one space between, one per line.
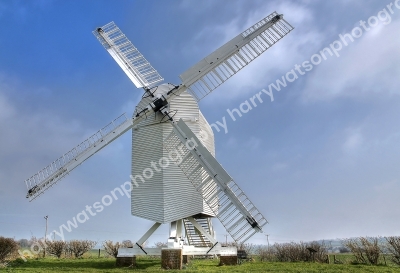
267 240
45 237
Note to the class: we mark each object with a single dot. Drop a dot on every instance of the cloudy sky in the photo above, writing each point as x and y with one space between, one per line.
320 161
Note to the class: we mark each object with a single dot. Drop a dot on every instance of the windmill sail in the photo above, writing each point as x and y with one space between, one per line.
229 203
47 177
202 78
132 62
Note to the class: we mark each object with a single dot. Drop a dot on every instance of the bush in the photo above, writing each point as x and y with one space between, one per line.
111 248
372 249
80 247
265 253
127 244
8 248
300 252
23 243
249 248
355 247
291 252
56 248
161 244
366 250
393 247
320 254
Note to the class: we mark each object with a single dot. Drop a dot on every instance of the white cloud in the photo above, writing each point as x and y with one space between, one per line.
252 143
367 68
279 166
20 9
231 142
6 110
353 141
30 141
349 162
276 61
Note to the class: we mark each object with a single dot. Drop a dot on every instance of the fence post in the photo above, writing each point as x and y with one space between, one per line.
99 252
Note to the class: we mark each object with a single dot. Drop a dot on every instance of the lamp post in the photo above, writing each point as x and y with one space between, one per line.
45 237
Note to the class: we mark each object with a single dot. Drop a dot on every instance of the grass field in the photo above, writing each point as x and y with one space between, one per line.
93 264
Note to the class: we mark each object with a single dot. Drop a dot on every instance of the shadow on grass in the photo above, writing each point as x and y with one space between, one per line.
100 263
148 263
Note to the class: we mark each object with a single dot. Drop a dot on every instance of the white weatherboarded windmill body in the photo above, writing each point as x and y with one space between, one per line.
175 176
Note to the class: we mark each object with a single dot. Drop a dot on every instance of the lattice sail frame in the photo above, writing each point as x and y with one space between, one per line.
128 57
205 76
38 183
229 203
235 211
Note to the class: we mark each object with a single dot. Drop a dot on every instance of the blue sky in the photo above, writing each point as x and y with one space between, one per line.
319 162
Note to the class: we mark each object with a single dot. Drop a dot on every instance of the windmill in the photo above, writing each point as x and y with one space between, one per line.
175 176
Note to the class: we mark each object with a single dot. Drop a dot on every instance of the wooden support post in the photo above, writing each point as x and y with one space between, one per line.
171 258
126 261
228 260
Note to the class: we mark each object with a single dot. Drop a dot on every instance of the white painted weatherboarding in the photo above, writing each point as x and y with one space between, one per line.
187 187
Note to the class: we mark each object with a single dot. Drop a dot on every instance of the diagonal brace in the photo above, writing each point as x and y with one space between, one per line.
202 230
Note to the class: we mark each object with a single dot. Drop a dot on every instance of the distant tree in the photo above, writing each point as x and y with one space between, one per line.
80 247
35 244
56 248
372 249
301 252
248 247
355 247
292 252
111 248
161 244
23 243
321 251
343 249
8 247
265 253
393 247
126 244
366 250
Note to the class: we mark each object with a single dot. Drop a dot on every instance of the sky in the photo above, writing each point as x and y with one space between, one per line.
319 160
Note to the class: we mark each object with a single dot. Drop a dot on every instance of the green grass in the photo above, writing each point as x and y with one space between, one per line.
144 264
